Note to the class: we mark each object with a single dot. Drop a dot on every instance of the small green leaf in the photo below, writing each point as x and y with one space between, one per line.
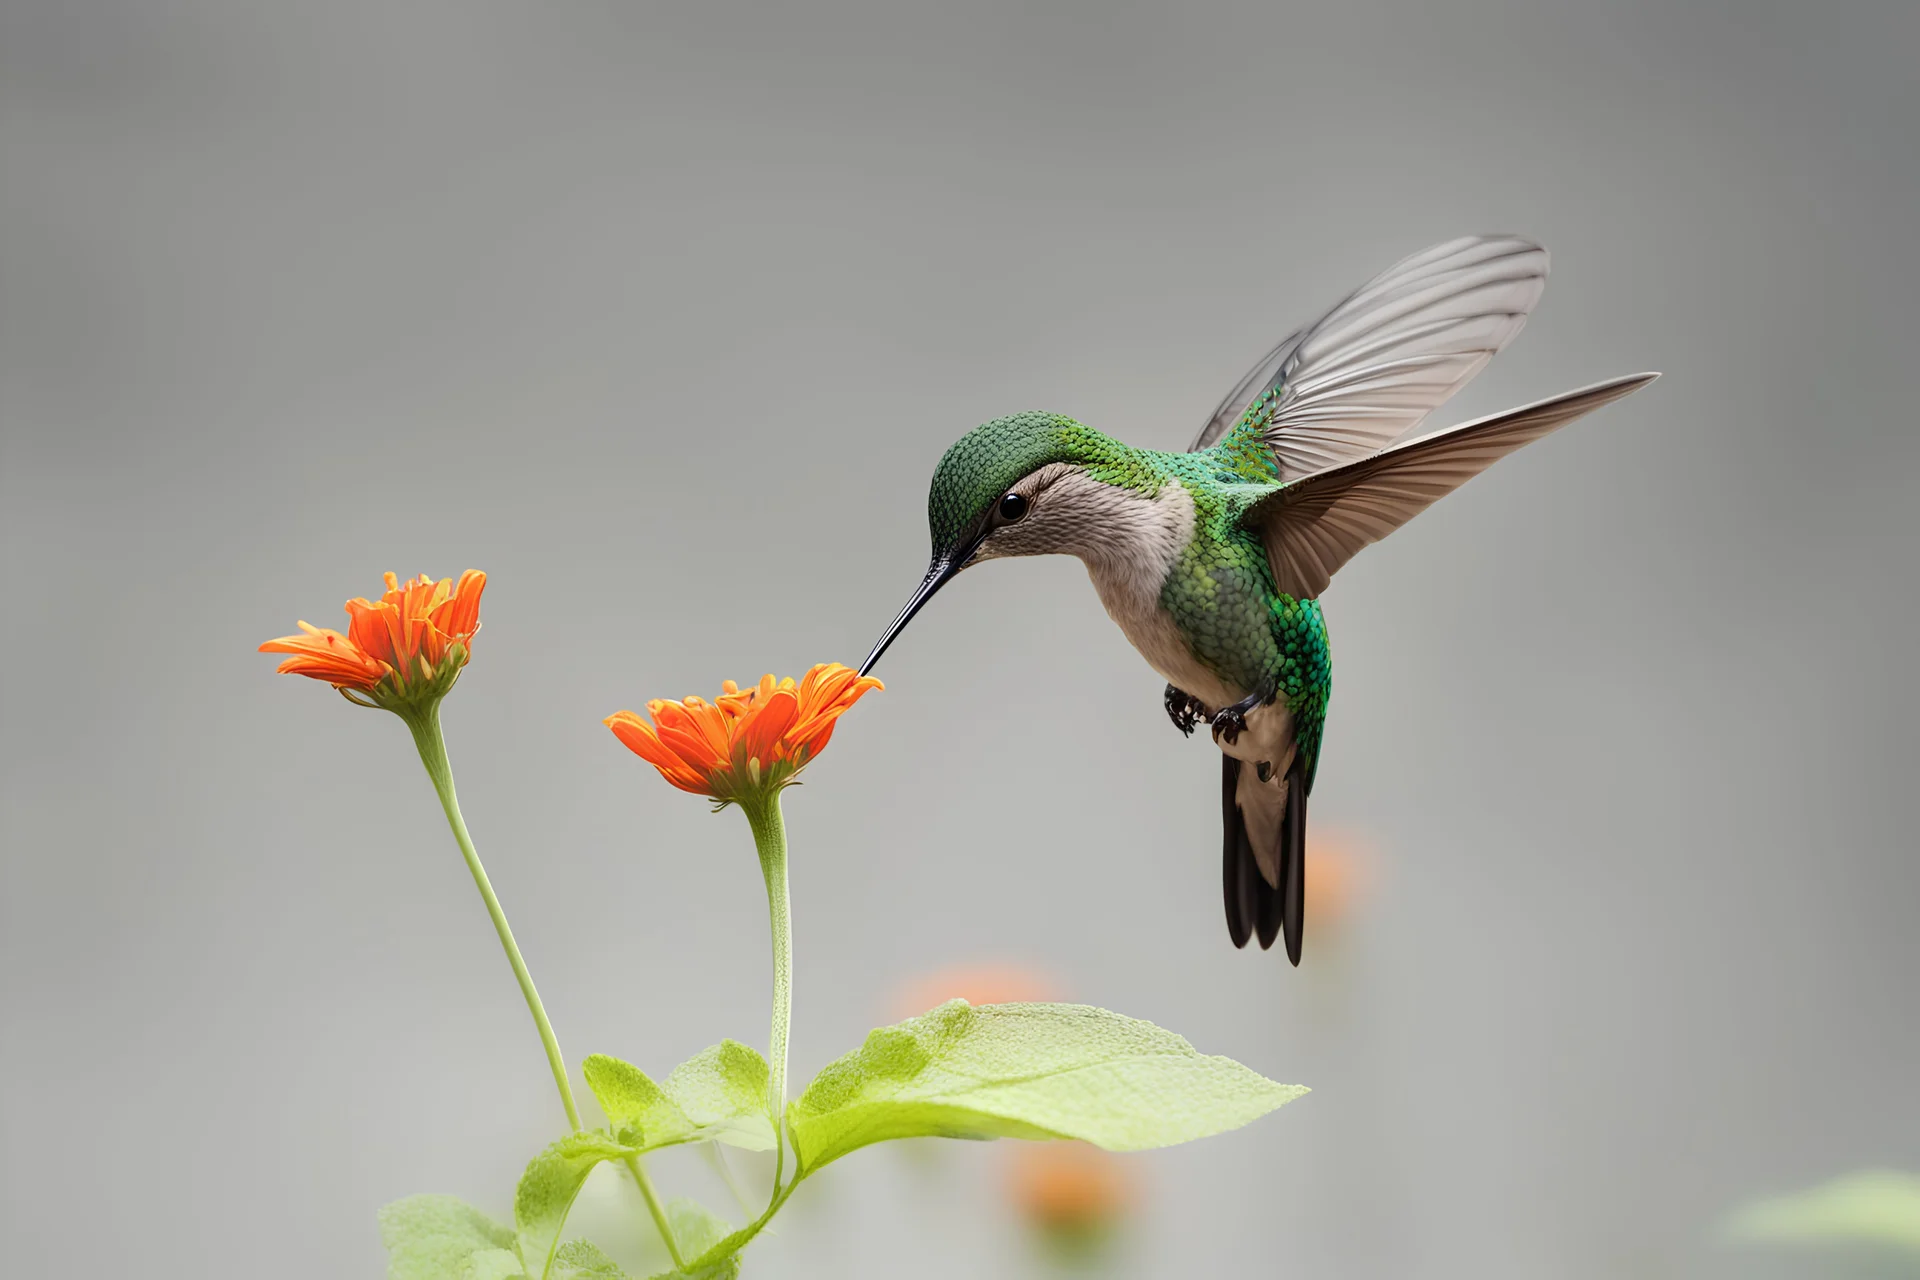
710 1246
547 1190
439 1237
1026 1071
639 1112
727 1268
718 1095
492 1264
723 1091
578 1260
1875 1206
696 1229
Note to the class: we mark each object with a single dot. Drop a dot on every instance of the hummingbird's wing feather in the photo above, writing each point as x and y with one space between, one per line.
1313 526
1369 370
1263 377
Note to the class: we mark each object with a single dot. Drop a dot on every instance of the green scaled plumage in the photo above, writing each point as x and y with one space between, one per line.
1220 593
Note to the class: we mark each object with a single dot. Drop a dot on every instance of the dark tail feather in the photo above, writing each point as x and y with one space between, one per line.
1252 904
1256 895
1267 901
1293 864
1235 859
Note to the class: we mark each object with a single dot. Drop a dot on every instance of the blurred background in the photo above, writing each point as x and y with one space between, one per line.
662 316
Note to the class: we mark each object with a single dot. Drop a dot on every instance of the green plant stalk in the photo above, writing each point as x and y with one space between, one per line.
433 754
432 744
770 839
715 1156
654 1207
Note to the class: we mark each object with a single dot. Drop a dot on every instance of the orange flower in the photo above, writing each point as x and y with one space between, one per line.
403 649
1339 873
977 985
750 740
1069 1187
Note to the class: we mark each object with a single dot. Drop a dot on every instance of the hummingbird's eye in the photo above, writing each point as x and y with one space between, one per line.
1013 506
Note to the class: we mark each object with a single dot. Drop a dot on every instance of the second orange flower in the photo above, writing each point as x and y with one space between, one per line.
748 741
403 650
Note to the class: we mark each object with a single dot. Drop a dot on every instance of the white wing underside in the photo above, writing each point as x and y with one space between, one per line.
1371 369
1316 524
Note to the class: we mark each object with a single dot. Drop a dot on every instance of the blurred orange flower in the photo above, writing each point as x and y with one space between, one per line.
406 646
1070 1189
748 741
977 985
1338 872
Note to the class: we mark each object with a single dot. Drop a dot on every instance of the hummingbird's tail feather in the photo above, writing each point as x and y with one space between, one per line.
1264 903
1241 878
1266 924
1293 862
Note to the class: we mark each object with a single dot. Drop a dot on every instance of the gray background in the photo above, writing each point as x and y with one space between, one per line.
663 317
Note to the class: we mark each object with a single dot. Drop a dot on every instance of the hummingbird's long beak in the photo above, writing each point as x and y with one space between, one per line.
939 573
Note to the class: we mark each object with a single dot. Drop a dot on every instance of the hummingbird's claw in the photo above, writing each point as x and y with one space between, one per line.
1184 710
1229 721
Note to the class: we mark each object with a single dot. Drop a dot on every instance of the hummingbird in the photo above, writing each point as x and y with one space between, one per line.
1212 561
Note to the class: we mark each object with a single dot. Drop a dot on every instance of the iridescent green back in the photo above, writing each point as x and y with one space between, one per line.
1220 592
1244 450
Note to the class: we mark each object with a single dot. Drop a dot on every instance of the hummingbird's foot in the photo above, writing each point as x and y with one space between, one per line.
1184 710
1228 722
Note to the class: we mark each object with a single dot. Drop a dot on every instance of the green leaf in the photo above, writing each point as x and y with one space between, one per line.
695 1228
441 1238
710 1246
718 1095
578 1260
1875 1206
493 1264
723 1090
547 1190
727 1268
720 1269
639 1112
1026 1071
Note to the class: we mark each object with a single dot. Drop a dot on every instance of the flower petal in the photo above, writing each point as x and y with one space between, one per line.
458 615
772 716
639 738
816 729
779 723
377 628
690 748
329 656
706 721
398 642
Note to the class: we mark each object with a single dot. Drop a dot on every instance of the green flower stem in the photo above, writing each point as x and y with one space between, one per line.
770 838
433 753
639 1172
715 1155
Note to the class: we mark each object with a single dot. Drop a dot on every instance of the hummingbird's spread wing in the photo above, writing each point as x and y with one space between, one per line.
1369 370
1313 526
